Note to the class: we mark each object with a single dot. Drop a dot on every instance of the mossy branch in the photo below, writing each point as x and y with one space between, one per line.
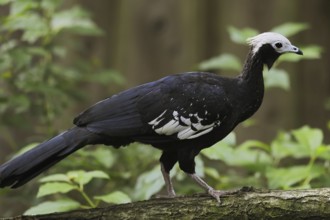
246 203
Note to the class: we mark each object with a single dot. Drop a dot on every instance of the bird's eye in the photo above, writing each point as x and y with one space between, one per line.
278 45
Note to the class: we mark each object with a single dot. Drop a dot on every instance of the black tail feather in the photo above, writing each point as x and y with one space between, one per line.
23 168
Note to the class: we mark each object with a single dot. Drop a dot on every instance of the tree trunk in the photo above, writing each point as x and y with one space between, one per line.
246 203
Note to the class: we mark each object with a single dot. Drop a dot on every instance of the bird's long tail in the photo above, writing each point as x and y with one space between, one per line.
23 168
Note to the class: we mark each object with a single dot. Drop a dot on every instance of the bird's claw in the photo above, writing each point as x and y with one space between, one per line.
171 194
219 193
216 194
167 196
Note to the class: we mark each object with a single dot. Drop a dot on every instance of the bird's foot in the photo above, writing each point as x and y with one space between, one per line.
168 182
216 194
219 193
169 195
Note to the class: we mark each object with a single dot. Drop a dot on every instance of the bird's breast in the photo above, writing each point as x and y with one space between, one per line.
250 104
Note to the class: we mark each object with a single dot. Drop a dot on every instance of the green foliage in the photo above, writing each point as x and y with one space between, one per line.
223 61
275 77
39 77
116 197
280 164
60 205
289 29
73 181
239 36
41 67
67 187
149 183
42 73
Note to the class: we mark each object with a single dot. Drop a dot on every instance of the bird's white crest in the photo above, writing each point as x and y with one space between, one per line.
267 38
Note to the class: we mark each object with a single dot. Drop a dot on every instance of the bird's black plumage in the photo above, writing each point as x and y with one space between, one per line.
179 114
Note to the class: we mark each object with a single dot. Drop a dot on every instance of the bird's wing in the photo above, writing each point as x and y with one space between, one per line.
117 115
186 107
183 106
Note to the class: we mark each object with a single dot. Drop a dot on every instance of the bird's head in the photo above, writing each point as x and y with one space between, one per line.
269 46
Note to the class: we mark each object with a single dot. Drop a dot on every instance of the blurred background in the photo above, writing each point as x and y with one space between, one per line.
59 57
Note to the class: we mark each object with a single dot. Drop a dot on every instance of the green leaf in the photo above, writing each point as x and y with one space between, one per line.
310 52
224 62
104 156
55 178
291 28
220 149
323 152
310 138
19 6
284 146
241 35
287 178
54 187
255 144
22 58
33 26
75 20
212 172
247 154
60 51
61 205
7 46
38 51
290 57
82 177
249 122
4 2
116 197
149 183
98 174
230 139
277 78
50 5
216 151
199 166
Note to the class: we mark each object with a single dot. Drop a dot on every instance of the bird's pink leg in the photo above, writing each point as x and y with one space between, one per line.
168 182
214 193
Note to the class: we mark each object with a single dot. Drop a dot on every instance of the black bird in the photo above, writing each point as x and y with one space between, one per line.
180 115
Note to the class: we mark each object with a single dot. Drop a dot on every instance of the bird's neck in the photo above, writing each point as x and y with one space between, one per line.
252 70
252 84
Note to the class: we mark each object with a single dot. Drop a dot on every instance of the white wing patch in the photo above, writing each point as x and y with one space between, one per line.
158 119
183 127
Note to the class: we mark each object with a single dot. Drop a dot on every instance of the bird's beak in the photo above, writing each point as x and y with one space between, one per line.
299 52
296 50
